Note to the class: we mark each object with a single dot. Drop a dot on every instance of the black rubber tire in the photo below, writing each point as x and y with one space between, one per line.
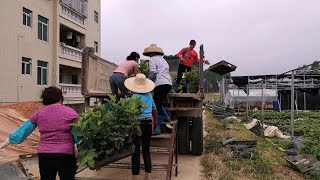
183 135
197 136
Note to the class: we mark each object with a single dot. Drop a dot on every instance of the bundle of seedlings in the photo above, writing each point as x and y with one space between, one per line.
105 133
144 67
192 80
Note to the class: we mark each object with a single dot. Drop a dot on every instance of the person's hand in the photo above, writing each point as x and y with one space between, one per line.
182 60
206 62
154 124
4 144
76 152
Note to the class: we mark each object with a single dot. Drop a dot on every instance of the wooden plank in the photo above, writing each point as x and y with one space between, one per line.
184 109
185 95
162 136
156 167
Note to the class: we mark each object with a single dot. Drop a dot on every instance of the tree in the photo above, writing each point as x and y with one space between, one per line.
315 67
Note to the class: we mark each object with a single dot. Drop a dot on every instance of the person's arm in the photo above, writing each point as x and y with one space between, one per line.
198 61
153 70
135 69
196 58
20 134
155 117
180 54
74 119
154 113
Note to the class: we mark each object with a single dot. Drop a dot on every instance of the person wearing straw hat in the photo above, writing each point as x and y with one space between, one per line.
124 70
159 73
141 88
187 57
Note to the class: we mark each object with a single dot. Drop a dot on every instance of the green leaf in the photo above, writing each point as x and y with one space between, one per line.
100 122
103 143
90 163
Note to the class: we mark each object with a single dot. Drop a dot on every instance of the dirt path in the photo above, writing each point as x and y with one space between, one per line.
189 169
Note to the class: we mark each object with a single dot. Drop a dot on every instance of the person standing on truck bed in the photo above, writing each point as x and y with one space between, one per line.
124 70
187 57
141 87
57 144
159 73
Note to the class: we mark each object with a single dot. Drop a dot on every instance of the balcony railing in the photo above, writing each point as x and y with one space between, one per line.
69 52
80 6
71 89
72 14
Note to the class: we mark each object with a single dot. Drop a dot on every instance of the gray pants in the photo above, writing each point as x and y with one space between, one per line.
117 82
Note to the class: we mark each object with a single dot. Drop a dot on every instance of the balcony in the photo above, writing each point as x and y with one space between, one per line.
71 89
74 10
72 93
71 53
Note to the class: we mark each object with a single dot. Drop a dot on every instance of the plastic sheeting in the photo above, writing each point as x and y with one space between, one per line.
10 120
273 131
252 124
255 95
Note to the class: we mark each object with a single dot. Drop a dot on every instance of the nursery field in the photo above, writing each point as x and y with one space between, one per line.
306 126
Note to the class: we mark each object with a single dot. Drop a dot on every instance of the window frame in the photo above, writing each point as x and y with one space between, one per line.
27 14
96 17
43 65
96 46
42 24
24 66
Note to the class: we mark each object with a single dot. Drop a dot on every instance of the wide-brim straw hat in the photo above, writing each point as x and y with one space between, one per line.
139 84
153 48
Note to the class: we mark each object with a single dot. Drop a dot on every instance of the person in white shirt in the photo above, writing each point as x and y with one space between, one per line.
159 73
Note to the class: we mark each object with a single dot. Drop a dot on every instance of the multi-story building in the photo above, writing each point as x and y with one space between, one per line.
41 45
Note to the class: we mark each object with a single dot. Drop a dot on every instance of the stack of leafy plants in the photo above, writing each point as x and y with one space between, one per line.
107 130
143 67
170 57
191 79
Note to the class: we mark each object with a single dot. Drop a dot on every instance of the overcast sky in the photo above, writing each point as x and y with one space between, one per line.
258 36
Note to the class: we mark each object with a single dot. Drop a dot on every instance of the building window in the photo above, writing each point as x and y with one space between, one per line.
96 46
26 16
26 65
60 75
42 28
74 79
42 77
96 17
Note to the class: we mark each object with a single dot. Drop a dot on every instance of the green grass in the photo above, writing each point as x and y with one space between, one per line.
233 165
261 166
282 143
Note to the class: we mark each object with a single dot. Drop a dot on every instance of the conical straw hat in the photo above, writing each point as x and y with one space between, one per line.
139 84
153 48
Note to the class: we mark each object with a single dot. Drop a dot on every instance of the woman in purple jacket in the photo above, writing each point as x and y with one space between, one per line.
56 146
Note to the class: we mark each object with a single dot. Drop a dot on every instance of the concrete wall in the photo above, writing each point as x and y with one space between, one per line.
93 29
22 41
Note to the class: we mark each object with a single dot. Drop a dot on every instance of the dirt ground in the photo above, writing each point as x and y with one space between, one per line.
189 169
26 109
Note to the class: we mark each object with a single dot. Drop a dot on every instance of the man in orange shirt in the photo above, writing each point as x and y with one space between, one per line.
187 56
